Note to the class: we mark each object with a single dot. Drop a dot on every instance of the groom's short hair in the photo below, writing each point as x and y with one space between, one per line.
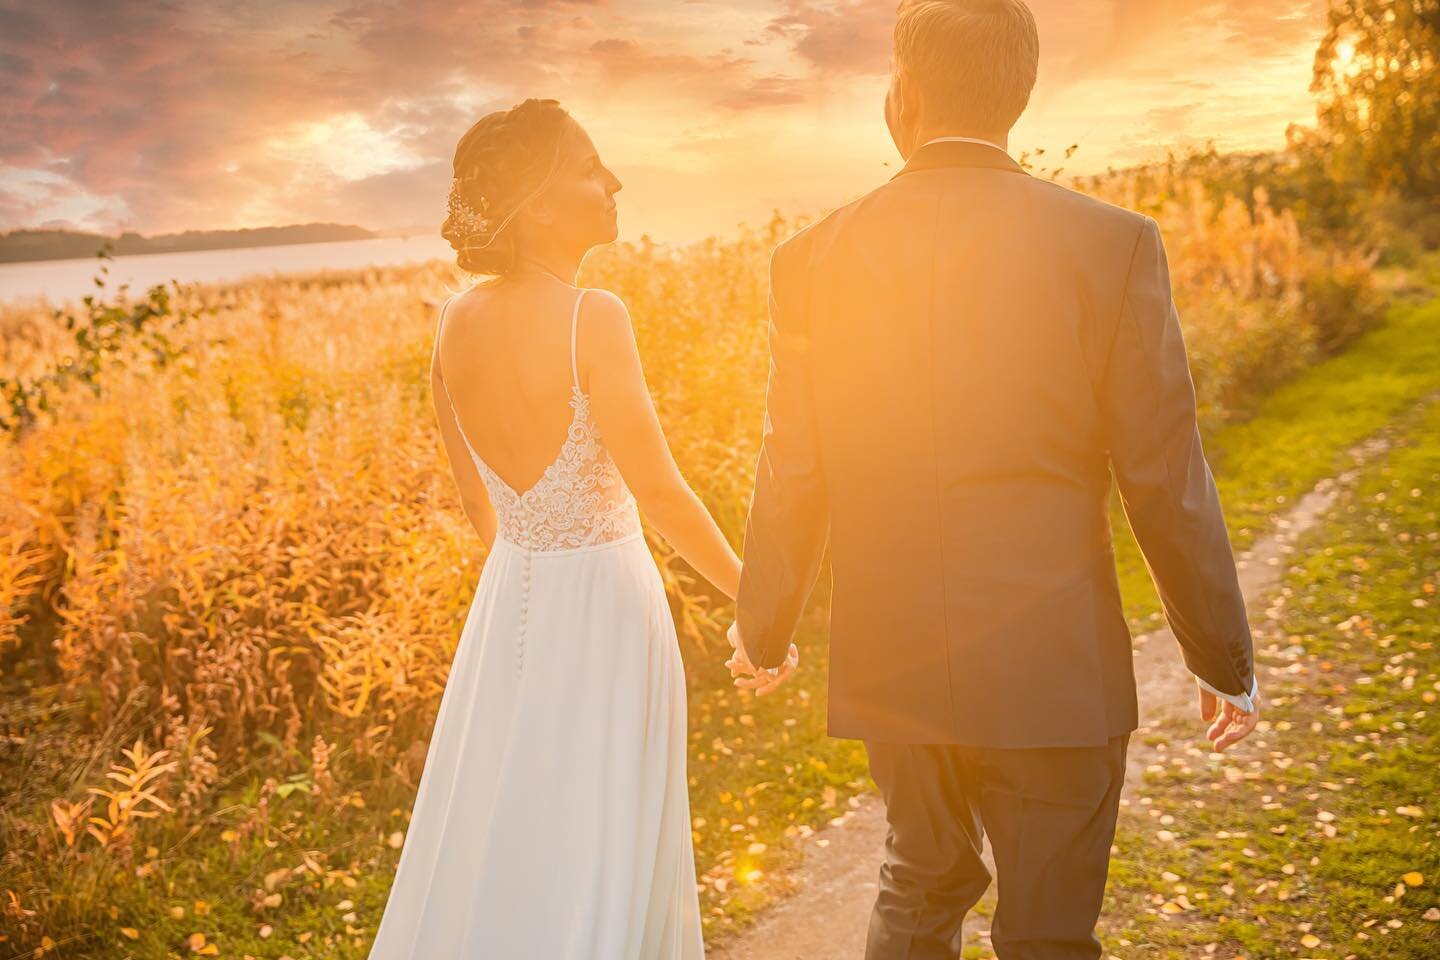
974 60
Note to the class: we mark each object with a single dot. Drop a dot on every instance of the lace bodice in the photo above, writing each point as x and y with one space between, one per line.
579 501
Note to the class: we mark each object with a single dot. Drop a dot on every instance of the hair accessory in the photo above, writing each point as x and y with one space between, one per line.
471 221
476 223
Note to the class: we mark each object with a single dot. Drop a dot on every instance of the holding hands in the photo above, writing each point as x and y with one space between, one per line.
751 677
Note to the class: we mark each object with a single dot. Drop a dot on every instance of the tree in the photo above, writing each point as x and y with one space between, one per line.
1378 83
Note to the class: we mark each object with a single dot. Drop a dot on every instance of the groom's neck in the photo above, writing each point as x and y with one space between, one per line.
926 134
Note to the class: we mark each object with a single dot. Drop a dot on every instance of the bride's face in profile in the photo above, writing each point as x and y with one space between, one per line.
579 206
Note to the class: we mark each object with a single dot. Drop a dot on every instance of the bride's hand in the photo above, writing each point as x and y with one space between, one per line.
762 682
746 674
738 663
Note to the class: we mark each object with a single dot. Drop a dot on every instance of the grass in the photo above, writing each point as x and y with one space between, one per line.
1299 435
1320 838
763 772
1302 433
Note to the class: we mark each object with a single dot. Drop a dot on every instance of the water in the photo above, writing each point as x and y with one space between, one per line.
62 280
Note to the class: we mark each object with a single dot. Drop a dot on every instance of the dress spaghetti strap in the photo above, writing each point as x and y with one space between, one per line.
439 329
445 387
574 326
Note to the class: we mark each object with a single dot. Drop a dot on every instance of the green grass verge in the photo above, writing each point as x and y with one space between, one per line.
1321 838
1302 433
762 770
1298 436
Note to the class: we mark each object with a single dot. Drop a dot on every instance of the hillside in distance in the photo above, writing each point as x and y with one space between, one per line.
22 245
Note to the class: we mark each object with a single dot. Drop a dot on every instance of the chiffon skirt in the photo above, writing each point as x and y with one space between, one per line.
552 820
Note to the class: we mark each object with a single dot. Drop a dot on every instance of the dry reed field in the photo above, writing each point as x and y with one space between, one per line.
233 566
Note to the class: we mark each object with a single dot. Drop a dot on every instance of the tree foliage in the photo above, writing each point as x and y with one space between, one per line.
1378 90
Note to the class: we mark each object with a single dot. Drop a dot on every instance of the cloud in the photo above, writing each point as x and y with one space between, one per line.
622 60
839 36
217 114
193 112
1077 37
410 197
765 92
168 115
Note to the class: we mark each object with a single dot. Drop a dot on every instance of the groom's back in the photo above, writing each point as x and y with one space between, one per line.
959 319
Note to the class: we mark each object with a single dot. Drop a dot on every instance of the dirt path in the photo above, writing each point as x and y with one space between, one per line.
836 881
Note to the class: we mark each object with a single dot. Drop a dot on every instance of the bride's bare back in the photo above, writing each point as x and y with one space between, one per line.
504 386
505 358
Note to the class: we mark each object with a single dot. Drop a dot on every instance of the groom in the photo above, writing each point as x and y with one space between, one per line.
960 362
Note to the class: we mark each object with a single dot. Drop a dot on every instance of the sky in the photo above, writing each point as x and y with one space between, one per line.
161 116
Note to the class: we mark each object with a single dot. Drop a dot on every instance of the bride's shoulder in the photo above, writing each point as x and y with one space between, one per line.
604 301
466 302
604 309
606 335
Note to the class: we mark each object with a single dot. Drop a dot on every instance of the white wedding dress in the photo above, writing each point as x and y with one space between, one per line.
552 820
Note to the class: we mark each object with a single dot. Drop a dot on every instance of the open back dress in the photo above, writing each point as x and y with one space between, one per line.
552 820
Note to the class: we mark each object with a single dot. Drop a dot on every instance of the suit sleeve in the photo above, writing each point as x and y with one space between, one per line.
788 525
1148 406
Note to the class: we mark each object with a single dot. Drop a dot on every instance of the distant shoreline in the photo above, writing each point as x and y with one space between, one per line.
28 246
59 281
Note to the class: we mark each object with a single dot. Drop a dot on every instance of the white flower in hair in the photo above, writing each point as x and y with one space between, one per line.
473 222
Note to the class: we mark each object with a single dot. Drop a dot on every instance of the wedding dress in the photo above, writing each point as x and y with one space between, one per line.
552 820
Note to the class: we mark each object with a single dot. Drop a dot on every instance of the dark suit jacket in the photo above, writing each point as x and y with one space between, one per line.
960 360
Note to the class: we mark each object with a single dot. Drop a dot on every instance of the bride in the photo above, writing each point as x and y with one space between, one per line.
552 819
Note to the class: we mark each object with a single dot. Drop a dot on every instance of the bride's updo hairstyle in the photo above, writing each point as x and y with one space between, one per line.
501 163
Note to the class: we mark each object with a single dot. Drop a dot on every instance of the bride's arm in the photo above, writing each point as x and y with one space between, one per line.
632 433
474 500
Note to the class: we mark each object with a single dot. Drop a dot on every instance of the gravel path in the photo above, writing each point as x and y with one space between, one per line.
826 919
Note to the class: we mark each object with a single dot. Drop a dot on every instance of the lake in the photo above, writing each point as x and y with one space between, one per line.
62 280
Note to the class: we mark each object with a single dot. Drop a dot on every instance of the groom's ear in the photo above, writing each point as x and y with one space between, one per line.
903 108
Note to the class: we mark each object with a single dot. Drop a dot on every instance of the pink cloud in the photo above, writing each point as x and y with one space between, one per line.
157 102
176 107
168 115
839 36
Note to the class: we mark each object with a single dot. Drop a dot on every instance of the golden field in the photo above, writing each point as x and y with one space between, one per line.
231 583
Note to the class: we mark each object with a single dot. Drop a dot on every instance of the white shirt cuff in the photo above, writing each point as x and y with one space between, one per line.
1243 701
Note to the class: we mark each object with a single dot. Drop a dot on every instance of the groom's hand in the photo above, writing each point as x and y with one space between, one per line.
751 677
1228 723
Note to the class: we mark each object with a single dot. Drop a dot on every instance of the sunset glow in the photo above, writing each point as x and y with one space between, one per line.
224 115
